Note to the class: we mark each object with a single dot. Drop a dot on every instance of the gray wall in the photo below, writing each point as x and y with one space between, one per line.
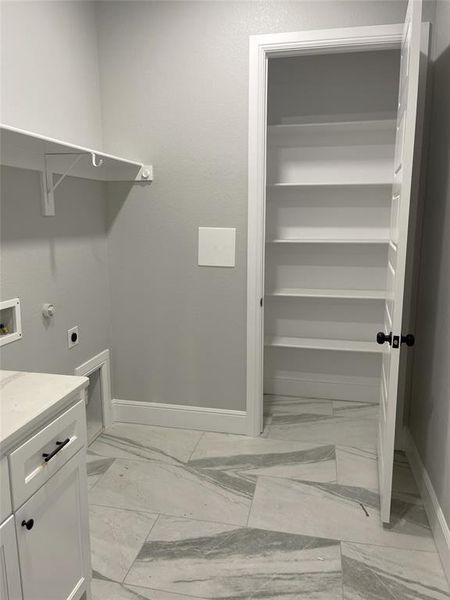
49 69
50 84
430 407
62 260
174 82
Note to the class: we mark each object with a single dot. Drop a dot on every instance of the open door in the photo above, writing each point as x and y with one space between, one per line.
393 337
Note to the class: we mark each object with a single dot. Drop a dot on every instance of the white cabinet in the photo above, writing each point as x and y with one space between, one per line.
52 536
9 565
44 538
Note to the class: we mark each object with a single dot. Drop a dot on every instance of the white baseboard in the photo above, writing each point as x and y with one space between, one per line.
327 390
175 415
438 523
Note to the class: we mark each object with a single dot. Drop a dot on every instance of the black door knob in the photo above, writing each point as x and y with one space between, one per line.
382 337
408 339
28 524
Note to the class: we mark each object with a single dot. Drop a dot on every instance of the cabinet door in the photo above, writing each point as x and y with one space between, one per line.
9 565
53 536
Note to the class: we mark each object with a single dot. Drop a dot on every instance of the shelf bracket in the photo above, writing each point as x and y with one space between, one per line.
48 185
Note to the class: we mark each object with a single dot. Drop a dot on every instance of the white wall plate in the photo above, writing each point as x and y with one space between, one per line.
216 246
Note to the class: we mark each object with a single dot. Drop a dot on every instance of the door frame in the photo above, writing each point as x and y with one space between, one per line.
263 47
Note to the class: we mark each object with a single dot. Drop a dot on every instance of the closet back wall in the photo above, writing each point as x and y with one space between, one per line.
174 82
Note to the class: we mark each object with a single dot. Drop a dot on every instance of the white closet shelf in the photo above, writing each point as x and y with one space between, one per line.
329 184
337 127
324 344
360 240
328 293
28 150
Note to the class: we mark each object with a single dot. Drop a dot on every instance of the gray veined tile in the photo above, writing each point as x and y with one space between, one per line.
124 440
323 429
360 410
109 590
211 560
116 538
246 458
284 406
357 467
334 511
174 490
378 573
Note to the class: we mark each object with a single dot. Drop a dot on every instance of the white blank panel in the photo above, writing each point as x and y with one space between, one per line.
328 212
216 246
324 318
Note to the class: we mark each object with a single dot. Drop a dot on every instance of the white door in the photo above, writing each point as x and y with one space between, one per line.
52 536
401 193
10 588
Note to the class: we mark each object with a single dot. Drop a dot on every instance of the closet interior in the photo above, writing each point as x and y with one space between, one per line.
331 123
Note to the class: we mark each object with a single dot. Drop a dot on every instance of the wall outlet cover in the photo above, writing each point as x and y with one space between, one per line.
216 246
73 337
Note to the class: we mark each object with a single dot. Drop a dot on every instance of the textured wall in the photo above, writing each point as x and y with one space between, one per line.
174 81
430 408
50 85
62 260
49 69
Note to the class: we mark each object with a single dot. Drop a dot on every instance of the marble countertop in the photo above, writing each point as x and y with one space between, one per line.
28 399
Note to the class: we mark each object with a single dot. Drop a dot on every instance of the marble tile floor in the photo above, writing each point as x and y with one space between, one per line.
179 514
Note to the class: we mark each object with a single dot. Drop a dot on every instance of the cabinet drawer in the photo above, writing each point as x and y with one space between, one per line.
5 494
33 463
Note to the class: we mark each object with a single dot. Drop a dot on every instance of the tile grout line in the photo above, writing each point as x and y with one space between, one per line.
133 510
251 503
137 553
162 514
335 463
195 447
183 594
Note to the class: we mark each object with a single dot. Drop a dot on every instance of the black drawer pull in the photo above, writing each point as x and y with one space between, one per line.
56 450
28 524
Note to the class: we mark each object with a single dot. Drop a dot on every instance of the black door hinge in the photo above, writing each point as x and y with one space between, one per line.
260 301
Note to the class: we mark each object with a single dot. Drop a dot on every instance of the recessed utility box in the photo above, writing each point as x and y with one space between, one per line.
10 322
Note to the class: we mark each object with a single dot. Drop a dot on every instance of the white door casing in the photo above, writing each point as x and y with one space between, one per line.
400 215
